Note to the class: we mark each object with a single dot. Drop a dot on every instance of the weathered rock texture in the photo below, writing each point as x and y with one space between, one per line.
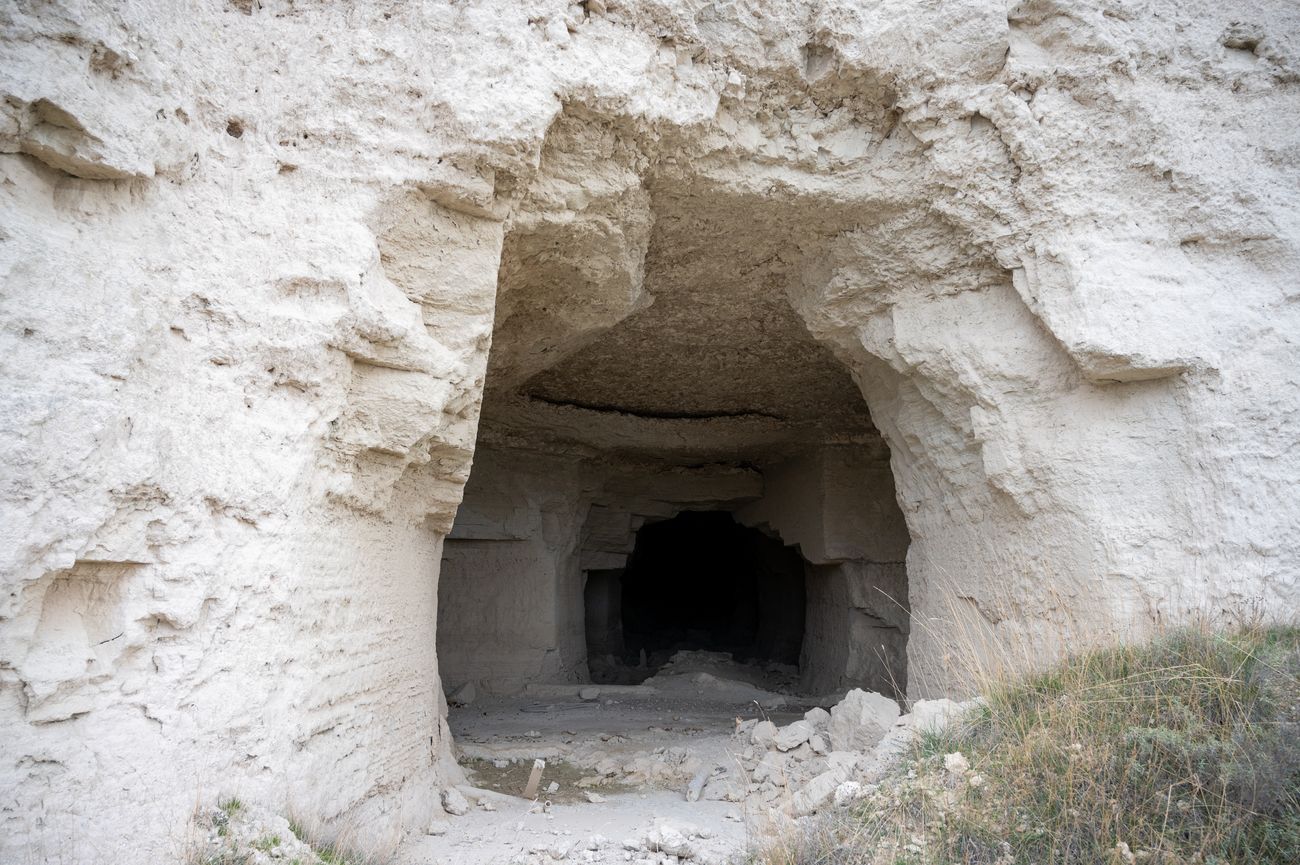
252 254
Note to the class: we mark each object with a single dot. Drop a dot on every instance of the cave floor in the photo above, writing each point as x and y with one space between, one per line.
622 761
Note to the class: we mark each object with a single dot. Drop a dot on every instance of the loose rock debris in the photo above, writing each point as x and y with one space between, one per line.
677 770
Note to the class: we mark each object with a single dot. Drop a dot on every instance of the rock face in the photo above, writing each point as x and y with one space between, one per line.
989 308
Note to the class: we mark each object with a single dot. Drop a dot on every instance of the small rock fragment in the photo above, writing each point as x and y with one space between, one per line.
454 803
793 735
666 839
846 793
931 716
817 791
861 720
589 693
696 786
763 733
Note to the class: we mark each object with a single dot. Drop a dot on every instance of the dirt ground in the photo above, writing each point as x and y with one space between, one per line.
635 750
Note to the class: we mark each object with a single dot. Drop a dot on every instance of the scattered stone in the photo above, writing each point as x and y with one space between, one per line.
666 839
846 793
763 734
771 769
817 792
696 787
590 694
557 850
845 760
818 717
454 802
553 787
861 720
956 763
594 798
931 716
793 735
818 744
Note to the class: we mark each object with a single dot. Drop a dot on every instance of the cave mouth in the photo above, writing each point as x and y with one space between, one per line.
667 456
697 581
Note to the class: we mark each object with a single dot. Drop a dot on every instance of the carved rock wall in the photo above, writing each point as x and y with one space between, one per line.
250 257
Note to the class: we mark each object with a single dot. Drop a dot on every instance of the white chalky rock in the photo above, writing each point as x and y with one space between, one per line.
818 717
454 802
816 792
846 793
666 839
217 424
956 763
763 734
861 720
771 768
845 760
931 716
793 735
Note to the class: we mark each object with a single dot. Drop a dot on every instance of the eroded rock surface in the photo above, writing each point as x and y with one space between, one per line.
258 259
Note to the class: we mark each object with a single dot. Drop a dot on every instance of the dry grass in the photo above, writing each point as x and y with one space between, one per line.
1182 750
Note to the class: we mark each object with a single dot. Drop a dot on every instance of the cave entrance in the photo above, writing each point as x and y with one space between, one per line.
667 457
699 580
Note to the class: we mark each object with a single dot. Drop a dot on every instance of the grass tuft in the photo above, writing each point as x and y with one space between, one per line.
1182 750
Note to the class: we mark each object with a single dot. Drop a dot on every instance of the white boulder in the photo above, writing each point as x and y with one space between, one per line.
861 720
793 735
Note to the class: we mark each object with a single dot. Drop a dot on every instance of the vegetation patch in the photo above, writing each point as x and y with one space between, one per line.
1182 750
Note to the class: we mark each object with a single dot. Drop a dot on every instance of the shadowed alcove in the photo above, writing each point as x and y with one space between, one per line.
698 581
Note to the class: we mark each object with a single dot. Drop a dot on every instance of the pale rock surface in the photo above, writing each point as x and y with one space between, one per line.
455 803
931 716
763 733
258 257
793 735
818 717
861 720
846 793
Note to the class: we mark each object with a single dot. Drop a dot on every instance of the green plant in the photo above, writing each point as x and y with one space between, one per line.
1183 749
267 843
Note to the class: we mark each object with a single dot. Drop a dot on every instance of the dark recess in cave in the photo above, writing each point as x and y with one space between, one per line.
701 581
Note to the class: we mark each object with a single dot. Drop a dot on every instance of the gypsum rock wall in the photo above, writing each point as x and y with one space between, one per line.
249 259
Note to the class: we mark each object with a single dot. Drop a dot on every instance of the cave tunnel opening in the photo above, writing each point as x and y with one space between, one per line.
666 455
697 581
